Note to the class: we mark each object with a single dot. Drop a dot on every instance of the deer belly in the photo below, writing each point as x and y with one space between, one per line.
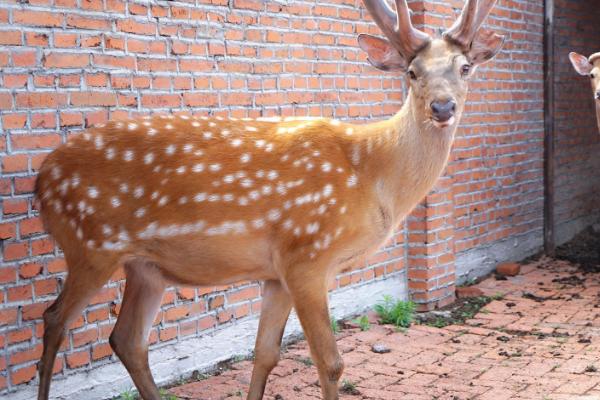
210 260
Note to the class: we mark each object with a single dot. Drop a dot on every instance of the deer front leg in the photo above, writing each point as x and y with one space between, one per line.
276 306
309 294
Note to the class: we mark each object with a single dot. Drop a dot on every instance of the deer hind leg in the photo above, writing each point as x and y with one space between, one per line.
309 294
83 281
276 306
129 340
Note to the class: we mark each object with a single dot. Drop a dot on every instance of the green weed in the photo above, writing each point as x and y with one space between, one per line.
395 312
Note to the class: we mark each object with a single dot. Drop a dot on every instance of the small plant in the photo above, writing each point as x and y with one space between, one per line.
128 395
307 361
349 387
363 323
469 282
167 396
335 327
395 312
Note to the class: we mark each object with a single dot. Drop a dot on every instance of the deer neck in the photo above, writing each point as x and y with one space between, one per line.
405 155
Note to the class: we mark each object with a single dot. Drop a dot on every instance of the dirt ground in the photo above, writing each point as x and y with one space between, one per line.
583 250
538 339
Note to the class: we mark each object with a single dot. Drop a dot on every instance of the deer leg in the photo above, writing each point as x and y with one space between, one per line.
310 301
81 284
276 306
129 340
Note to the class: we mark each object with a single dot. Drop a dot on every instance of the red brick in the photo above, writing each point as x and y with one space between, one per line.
100 351
23 375
15 163
508 269
29 270
8 230
22 356
24 58
64 40
15 80
15 251
66 60
41 100
88 23
139 28
93 99
468 291
78 359
37 18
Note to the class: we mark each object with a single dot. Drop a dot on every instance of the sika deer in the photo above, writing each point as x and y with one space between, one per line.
589 67
198 201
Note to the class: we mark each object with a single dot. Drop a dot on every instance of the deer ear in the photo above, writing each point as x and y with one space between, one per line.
485 46
382 55
581 64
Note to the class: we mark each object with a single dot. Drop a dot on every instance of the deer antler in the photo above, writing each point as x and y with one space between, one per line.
397 26
468 24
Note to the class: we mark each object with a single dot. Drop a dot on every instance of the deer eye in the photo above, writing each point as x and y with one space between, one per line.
465 69
412 75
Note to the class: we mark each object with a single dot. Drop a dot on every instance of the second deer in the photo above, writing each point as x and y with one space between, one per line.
187 200
589 67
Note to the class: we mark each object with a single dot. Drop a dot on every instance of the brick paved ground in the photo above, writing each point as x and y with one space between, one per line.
541 341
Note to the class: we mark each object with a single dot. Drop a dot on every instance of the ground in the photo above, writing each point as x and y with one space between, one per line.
539 341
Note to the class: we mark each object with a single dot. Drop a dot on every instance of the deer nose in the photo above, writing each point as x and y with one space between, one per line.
598 95
443 110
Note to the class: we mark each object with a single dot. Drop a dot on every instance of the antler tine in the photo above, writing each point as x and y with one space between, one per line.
397 26
465 28
411 38
383 16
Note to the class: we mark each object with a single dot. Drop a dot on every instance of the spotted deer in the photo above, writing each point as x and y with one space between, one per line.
188 200
589 67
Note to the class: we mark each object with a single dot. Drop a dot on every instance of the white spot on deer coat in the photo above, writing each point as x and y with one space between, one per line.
352 180
312 228
198 168
163 200
93 192
148 158
99 142
115 201
138 192
128 155
200 197
170 150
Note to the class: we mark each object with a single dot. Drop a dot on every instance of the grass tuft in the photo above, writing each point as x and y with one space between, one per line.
395 312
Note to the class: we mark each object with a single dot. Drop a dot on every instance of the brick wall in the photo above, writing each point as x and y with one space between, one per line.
66 64
577 142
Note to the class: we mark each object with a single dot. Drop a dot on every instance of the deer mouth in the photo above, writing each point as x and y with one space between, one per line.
443 124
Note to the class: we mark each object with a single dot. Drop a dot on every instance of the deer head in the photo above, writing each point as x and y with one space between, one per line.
589 67
438 69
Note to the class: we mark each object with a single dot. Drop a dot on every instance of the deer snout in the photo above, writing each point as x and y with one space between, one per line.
443 110
598 95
